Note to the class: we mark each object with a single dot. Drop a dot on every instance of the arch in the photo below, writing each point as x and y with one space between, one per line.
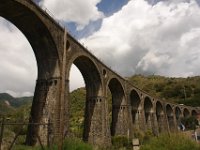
178 115
118 98
186 113
135 103
93 86
25 18
36 32
194 113
170 117
160 116
148 113
90 74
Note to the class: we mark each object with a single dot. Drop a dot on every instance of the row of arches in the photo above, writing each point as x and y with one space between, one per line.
46 40
146 113
158 116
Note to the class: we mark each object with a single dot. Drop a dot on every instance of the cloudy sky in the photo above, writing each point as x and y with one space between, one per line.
142 37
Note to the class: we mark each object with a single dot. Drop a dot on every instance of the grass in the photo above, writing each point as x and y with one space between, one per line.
172 142
69 144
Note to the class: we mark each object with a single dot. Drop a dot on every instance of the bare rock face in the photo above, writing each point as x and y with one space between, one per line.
7 103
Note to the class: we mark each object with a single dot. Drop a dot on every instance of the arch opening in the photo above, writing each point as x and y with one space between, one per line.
135 103
18 76
148 112
30 23
118 98
186 113
77 100
170 117
178 116
160 116
18 62
36 32
93 97
194 113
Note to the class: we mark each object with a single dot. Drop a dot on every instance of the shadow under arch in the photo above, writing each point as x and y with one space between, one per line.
178 115
186 113
37 34
160 116
194 113
94 98
118 98
46 53
148 113
170 117
135 102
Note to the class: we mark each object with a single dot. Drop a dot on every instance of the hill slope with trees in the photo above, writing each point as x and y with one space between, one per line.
180 90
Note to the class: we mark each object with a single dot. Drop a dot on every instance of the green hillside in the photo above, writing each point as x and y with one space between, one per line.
179 90
10 105
15 102
77 106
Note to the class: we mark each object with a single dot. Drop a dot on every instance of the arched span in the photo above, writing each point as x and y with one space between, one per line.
90 74
36 33
194 113
148 113
93 83
170 117
178 115
135 103
160 116
186 113
21 13
118 98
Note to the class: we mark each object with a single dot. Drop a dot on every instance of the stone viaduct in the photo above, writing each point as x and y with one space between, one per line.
55 51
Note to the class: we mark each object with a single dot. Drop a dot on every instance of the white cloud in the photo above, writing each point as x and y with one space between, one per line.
17 64
18 68
141 38
76 79
79 11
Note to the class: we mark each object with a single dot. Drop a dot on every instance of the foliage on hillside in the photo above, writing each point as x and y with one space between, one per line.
180 90
5 109
172 142
15 102
10 105
77 107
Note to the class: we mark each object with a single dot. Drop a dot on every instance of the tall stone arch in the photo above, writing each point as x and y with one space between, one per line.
135 102
160 115
194 113
186 113
95 125
119 123
47 46
170 117
148 113
178 116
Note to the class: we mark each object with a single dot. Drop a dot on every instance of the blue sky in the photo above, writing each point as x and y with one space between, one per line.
105 6
142 37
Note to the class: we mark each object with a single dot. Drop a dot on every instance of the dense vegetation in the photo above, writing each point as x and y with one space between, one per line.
77 107
181 90
172 142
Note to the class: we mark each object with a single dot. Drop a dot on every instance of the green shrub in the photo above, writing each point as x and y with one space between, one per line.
69 144
76 144
190 122
172 142
23 147
120 142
